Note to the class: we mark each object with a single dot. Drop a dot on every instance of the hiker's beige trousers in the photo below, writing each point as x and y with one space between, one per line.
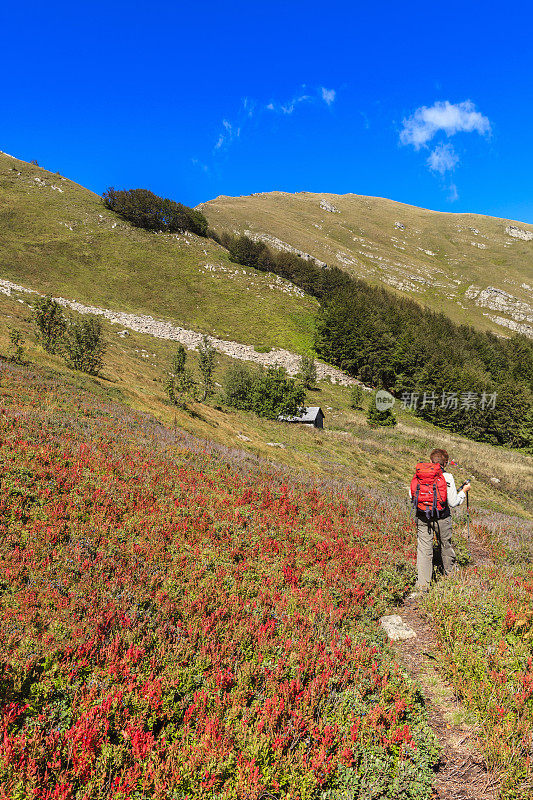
424 550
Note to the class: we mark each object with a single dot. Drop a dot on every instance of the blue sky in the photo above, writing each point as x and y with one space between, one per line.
425 103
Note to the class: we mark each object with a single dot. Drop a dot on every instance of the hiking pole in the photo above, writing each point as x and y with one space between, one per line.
469 480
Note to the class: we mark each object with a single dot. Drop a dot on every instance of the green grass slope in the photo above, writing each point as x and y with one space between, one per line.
449 262
347 448
57 237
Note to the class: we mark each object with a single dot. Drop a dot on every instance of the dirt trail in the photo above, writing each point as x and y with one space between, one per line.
462 772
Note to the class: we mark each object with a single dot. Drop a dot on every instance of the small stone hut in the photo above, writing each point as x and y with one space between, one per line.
312 416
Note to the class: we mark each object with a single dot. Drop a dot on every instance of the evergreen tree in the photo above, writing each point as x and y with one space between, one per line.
181 388
180 384
307 371
379 418
356 396
16 354
178 360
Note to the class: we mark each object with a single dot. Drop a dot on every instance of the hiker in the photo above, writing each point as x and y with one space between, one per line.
433 493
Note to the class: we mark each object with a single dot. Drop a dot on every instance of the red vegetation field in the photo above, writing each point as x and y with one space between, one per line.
484 620
178 624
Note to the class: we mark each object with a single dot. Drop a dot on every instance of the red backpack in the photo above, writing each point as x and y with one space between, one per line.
428 490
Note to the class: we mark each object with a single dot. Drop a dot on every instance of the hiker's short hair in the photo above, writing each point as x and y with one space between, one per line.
439 456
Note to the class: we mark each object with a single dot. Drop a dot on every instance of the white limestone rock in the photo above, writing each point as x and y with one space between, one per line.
519 233
279 244
325 205
517 327
498 300
396 629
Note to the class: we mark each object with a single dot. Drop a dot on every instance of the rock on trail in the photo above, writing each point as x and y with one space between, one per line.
396 629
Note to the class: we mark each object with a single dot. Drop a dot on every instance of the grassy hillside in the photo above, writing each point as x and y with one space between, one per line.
175 619
57 237
448 262
198 614
347 449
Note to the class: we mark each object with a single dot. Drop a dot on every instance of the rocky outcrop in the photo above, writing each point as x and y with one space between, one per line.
517 327
498 300
191 339
325 205
519 233
279 244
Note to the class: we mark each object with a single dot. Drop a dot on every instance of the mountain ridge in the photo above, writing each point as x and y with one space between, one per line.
363 197
58 238
477 269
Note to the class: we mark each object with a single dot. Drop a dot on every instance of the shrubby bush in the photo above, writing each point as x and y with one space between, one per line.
274 393
180 384
174 625
84 345
16 350
238 385
144 209
80 341
268 392
50 322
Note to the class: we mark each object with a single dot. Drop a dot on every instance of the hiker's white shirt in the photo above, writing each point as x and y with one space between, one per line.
455 498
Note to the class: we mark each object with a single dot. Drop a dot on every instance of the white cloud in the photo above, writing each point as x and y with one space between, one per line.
328 95
227 136
250 108
289 106
450 118
200 165
443 158
454 194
